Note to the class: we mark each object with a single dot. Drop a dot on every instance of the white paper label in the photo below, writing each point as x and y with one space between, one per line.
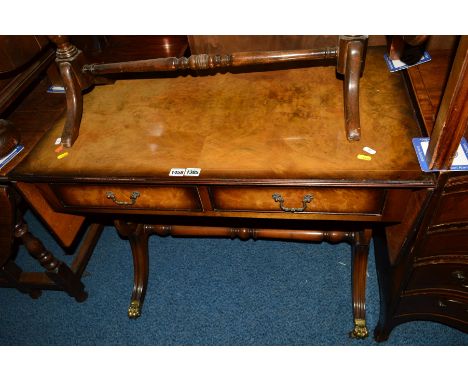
177 172
192 171
185 172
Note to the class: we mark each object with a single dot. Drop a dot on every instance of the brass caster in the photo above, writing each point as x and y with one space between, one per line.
134 310
360 330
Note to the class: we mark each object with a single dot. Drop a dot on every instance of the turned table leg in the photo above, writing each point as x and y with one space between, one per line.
137 235
360 254
56 270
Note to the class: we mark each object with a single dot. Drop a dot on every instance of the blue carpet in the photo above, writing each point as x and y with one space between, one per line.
207 292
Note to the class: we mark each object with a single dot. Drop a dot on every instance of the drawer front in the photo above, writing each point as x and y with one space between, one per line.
453 208
452 242
438 305
440 276
134 197
326 200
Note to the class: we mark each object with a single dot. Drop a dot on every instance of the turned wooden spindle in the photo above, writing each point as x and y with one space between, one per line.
205 61
56 270
251 233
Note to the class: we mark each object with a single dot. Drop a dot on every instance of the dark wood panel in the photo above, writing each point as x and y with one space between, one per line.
453 208
440 307
127 48
7 221
440 276
226 44
17 51
451 241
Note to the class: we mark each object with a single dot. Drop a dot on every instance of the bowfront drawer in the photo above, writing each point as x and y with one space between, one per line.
432 304
134 197
328 200
440 276
453 207
453 242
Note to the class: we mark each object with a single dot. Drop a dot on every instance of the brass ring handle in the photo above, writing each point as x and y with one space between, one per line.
279 199
133 197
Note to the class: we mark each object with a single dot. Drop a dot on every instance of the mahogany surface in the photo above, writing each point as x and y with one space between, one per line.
220 123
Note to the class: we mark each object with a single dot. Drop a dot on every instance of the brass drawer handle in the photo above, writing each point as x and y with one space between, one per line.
306 199
443 303
459 275
133 197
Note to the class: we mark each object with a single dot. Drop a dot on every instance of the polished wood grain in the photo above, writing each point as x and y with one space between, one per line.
220 123
223 44
117 48
324 199
36 113
157 198
452 117
428 82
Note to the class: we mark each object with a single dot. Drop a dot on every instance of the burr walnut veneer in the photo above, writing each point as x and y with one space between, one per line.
273 161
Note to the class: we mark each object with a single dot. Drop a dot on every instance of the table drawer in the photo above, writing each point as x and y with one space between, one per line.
440 276
164 198
330 200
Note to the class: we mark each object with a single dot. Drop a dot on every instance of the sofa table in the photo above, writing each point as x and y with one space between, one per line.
248 155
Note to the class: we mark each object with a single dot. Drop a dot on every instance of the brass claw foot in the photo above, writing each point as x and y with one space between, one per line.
134 310
360 330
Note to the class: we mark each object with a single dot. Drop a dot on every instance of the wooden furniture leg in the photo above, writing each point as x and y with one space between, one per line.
56 270
138 236
360 255
70 61
350 63
12 273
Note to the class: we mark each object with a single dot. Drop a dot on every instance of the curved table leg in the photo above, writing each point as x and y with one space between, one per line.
360 254
138 236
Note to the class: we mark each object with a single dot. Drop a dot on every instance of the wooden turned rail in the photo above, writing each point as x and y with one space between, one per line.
206 62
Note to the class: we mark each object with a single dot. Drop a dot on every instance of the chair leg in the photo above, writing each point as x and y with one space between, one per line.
70 61
56 270
350 63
